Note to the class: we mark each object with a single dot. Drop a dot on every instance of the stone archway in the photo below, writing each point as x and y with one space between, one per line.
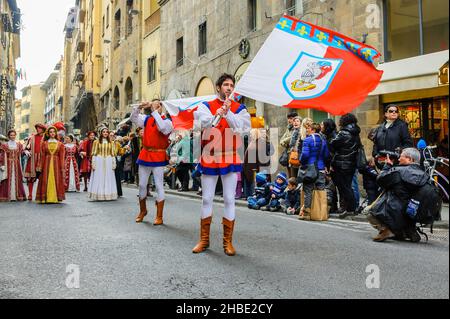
205 87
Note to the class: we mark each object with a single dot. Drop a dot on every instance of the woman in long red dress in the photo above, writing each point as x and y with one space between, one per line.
86 158
11 189
72 177
51 188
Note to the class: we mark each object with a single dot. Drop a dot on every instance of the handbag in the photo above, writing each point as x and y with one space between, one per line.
311 173
284 159
361 159
319 207
294 159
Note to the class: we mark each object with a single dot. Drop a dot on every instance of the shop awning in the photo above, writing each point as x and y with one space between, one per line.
415 73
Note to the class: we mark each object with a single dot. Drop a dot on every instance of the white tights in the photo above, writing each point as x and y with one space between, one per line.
229 183
158 174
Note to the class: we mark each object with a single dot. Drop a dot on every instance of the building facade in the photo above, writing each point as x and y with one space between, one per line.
125 58
9 52
203 39
151 53
31 110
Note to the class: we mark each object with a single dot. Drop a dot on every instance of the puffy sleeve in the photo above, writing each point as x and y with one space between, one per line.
95 149
239 122
165 126
137 118
203 118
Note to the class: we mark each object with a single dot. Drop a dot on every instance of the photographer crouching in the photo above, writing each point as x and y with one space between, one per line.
388 212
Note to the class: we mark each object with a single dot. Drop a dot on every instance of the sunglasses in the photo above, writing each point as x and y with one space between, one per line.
393 111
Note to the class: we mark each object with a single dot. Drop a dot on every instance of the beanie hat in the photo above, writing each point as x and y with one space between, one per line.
422 144
261 178
282 176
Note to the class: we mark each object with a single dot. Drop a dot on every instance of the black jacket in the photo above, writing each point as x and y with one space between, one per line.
396 136
399 184
293 198
345 146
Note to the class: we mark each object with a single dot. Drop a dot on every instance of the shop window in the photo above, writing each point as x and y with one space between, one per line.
427 119
415 27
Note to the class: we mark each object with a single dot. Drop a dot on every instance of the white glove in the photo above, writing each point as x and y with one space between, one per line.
27 153
114 163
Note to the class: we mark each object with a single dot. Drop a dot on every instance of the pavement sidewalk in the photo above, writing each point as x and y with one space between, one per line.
360 218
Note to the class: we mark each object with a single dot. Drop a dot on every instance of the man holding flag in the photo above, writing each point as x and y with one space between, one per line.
153 156
222 121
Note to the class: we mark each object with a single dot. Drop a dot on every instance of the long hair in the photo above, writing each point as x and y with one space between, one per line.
307 122
47 133
100 139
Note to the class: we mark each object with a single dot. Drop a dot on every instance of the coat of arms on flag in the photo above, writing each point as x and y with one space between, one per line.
310 76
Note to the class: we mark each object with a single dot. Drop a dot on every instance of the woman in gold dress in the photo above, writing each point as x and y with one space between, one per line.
51 189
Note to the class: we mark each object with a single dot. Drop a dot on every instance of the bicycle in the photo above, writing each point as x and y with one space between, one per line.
430 164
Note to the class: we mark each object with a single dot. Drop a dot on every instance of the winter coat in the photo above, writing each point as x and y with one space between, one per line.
396 136
369 175
278 189
293 198
314 149
399 184
286 138
345 146
263 191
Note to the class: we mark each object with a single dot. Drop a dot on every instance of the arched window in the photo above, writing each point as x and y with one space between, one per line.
116 98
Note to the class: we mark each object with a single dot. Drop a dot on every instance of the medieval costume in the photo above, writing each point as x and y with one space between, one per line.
152 159
72 177
120 151
11 189
33 152
86 159
102 185
222 160
51 188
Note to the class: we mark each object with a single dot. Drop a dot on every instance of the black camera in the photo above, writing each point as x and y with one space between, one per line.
392 155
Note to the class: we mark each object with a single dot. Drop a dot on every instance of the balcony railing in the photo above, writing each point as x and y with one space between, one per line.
152 22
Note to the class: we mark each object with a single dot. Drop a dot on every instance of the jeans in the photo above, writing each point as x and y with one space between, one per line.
256 203
355 187
308 188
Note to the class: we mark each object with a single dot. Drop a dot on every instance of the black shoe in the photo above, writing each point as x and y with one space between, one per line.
344 215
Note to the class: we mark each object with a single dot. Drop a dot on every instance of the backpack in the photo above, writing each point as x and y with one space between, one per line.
425 205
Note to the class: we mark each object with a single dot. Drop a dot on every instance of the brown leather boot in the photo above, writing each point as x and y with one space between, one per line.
203 244
159 213
305 214
384 235
143 212
228 227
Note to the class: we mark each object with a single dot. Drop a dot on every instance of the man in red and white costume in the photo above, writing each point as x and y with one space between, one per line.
220 158
153 156
33 152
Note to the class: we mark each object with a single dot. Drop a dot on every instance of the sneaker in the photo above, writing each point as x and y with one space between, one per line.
265 209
